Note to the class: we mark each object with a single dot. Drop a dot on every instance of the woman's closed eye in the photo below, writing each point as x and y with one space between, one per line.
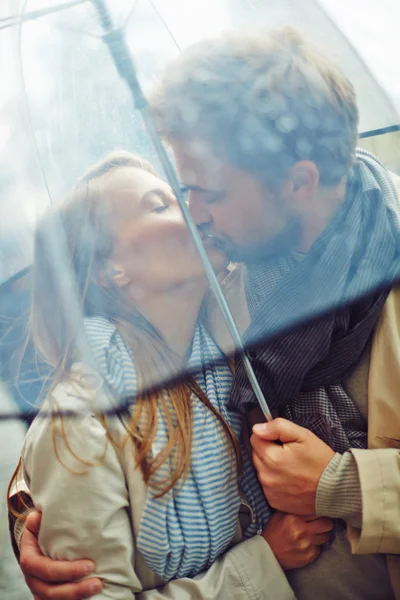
156 201
161 208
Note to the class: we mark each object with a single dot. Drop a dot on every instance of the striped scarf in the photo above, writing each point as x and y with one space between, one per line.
184 532
302 372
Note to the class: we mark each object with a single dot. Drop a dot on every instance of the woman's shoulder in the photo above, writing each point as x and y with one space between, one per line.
68 423
95 386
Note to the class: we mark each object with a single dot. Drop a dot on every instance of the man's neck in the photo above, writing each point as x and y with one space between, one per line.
325 204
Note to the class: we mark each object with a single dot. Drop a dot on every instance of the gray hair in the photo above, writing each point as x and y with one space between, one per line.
263 102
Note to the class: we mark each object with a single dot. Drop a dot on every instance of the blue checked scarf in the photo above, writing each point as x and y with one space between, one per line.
184 532
302 372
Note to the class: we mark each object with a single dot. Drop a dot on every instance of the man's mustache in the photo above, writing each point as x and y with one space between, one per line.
206 232
217 241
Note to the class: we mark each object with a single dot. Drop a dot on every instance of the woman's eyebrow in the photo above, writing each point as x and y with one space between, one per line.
198 188
154 192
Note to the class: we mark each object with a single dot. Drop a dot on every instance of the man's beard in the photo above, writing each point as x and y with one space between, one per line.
286 241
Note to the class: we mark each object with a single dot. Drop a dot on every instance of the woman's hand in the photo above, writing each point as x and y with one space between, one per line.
50 579
296 541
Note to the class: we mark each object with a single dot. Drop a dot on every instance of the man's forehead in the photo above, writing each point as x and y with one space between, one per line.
198 167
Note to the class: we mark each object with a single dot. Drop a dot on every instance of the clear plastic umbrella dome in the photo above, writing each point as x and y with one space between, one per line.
65 104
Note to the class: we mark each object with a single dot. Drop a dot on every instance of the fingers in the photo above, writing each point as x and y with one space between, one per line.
66 591
42 574
51 571
291 541
257 462
306 556
321 538
279 429
266 452
34 564
321 525
33 521
312 553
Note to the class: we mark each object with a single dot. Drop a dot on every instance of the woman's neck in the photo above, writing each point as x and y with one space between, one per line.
173 312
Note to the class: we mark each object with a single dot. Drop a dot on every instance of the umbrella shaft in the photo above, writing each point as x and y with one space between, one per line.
116 43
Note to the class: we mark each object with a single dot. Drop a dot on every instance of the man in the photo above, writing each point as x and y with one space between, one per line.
264 132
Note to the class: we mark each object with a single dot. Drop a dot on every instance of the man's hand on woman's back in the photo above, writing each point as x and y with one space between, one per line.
53 579
294 540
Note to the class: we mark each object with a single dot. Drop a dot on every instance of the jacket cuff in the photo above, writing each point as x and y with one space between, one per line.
259 570
379 477
339 491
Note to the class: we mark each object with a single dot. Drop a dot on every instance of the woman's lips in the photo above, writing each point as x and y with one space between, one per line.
211 242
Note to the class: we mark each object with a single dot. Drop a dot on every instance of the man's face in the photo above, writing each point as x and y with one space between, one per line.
248 221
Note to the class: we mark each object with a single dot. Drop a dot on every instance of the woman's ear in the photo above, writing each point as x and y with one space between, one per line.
119 277
112 273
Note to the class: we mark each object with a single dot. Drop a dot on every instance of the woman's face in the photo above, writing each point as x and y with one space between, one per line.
152 244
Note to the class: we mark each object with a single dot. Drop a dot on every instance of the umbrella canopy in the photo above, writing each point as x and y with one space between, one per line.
80 109
65 105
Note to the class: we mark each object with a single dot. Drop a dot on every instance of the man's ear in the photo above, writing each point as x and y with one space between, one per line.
304 180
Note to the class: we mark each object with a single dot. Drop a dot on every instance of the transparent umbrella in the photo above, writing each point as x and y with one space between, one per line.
125 281
66 105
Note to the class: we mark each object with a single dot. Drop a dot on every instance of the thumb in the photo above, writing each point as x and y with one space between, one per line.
279 429
33 521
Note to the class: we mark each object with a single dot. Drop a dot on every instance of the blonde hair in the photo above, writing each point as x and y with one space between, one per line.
262 102
83 223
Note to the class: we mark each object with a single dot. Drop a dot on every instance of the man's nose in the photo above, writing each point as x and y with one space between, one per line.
199 210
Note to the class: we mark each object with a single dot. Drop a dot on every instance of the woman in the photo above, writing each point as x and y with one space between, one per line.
150 496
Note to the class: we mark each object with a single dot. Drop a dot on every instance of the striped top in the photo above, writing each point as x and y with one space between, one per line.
184 532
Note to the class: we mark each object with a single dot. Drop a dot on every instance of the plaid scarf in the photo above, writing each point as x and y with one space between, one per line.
302 372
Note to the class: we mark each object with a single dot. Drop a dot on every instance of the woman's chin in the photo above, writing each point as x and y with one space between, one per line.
218 259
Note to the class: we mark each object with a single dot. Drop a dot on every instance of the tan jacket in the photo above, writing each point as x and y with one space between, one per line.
379 466
93 509
104 524
107 499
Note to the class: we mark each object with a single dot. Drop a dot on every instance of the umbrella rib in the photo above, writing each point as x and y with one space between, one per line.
16 20
358 55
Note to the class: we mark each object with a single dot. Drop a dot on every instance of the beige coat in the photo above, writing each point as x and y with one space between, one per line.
97 514
379 466
94 509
